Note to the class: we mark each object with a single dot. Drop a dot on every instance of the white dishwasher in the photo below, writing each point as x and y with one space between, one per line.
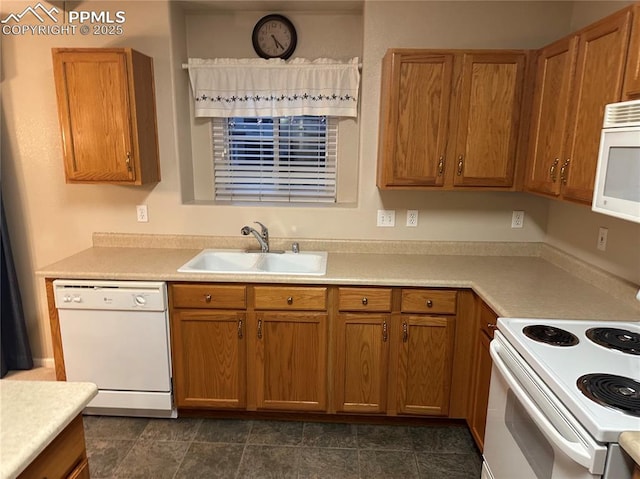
116 334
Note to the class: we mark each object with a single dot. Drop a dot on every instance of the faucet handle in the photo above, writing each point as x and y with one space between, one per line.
295 247
265 231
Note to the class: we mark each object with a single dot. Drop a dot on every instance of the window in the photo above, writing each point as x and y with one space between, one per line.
287 159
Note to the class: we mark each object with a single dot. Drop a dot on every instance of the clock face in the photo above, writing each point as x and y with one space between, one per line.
274 37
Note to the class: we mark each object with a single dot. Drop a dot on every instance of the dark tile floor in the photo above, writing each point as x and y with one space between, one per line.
189 448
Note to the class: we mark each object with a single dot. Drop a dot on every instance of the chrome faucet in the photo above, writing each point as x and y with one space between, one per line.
262 237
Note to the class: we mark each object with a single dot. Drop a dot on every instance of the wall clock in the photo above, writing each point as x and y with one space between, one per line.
274 36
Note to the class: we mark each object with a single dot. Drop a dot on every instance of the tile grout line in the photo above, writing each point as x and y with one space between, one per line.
186 451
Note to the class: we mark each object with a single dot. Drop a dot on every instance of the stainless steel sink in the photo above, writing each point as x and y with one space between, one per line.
241 262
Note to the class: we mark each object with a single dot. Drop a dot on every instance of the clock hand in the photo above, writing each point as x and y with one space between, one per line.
278 44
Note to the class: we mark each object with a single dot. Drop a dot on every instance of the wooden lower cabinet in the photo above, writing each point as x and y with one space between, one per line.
362 362
64 458
290 363
424 365
479 393
370 350
392 362
209 358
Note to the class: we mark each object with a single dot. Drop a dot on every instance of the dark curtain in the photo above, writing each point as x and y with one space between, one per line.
15 352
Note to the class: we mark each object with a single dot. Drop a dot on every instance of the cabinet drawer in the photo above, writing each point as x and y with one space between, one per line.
364 299
428 301
209 296
284 298
488 320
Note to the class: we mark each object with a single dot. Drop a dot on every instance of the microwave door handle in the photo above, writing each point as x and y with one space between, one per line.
576 451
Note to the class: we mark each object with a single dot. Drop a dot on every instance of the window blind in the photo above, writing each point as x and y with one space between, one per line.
287 159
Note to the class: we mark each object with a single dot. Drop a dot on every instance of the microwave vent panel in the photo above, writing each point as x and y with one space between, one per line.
622 114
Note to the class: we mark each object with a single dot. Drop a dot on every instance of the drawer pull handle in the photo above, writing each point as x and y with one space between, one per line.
552 170
405 332
429 303
385 331
240 328
460 164
207 298
492 326
128 161
289 300
259 329
365 301
563 171
441 166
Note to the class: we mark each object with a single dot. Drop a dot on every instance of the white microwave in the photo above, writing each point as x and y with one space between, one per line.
617 187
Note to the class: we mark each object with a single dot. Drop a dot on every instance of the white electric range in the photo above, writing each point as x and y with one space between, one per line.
547 417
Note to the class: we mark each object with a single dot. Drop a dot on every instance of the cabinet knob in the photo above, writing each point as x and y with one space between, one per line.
289 300
207 298
365 301
460 164
492 326
429 303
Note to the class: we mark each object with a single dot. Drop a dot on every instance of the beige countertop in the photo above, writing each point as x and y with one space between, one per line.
514 286
630 442
32 414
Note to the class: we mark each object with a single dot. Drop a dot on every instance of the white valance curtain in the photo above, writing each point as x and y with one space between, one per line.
228 87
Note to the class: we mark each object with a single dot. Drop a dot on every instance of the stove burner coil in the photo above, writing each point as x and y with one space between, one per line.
550 335
617 392
618 339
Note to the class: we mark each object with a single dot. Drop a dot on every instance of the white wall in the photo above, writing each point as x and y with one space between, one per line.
50 220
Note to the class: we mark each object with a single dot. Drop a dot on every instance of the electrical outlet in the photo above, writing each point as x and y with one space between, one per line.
386 218
142 213
517 219
412 217
602 239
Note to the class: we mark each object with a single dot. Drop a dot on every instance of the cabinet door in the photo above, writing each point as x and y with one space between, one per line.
549 116
480 399
361 367
209 358
632 71
414 120
94 109
489 119
602 51
291 360
424 365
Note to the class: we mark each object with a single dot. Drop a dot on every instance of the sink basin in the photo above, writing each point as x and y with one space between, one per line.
241 262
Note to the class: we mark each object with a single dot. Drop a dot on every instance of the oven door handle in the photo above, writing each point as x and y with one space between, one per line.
575 450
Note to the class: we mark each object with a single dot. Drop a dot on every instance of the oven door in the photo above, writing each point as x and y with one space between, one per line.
530 434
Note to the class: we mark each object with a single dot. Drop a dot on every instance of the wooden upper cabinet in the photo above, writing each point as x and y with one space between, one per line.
435 135
489 119
576 77
414 121
602 53
107 113
549 115
632 71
